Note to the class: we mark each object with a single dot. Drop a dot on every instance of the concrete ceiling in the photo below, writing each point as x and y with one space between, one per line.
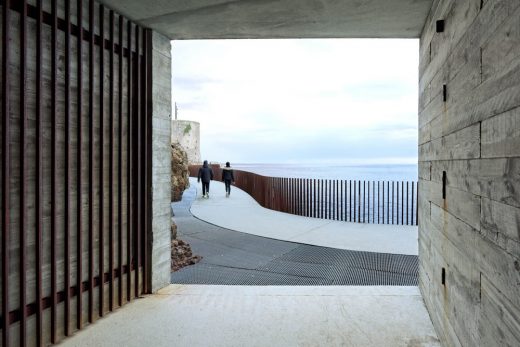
227 19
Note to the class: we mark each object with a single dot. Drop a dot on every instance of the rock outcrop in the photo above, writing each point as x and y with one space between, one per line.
182 255
180 173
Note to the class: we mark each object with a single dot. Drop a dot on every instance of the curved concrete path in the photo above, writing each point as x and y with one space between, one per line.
240 212
235 258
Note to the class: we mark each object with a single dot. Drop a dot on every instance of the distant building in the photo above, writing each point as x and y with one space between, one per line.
187 133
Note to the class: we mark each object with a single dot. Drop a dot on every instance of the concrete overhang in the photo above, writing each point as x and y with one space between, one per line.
238 19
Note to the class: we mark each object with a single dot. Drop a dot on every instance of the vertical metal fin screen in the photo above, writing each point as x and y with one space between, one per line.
75 166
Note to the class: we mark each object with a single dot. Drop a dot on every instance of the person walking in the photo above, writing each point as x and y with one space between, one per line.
205 175
228 177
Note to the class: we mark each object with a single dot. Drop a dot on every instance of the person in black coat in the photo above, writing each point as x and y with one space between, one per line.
228 177
206 175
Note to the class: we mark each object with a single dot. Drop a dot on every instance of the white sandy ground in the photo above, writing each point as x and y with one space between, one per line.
213 316
240 212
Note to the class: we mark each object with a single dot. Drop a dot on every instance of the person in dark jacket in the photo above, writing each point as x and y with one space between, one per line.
228 177
206 175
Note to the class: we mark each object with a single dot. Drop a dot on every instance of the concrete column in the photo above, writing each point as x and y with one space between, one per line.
161 180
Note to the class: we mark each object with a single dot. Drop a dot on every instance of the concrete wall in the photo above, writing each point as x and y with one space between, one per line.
187 133
473 232
161 157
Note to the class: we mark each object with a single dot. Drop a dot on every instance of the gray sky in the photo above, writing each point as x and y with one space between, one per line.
300 101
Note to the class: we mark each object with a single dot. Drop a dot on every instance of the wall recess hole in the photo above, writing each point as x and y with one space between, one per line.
444 180
444 93
439 26
443 276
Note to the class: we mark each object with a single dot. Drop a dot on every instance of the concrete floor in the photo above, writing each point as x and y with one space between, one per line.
195 315
240 212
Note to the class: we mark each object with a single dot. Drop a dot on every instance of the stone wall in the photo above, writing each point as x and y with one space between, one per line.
469 170
187 133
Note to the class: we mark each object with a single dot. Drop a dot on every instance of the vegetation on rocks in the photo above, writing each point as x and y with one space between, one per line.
179 171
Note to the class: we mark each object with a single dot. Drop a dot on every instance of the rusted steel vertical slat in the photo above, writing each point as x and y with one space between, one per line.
294 195
368 201
111 164
356 198
320 187
378 202
397 202
337 201
388 202
412 211
129 166
6 166
139 206
402 202
39 179
54 149
350 200
299 196
23 184
393 201
407 207
120 165
309 197
383 195
325 199
91 163
286 194
67 172
373 202
364 200
332 189
314 197
101 160
147 156
333 200
79 249
302 198
341 203
345 209
359 201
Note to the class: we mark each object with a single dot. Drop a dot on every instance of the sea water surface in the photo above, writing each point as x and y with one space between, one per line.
391 172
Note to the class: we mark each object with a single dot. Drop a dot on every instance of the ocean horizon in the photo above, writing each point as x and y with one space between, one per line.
372 172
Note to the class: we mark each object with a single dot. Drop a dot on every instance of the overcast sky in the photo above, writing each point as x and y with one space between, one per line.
300 101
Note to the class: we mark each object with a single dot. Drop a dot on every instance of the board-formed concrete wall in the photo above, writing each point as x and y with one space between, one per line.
187 133
161 161
469 131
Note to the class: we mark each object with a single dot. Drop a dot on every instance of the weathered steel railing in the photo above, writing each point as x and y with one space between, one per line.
377 202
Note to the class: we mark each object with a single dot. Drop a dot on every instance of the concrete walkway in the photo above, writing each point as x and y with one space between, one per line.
240 212
209 315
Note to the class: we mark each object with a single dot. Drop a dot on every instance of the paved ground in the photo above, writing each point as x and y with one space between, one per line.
213 315
235 258
285 316
242 213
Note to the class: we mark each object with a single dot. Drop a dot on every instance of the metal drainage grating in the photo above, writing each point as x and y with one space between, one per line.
234 258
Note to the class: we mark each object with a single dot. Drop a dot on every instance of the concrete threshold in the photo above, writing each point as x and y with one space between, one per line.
198 315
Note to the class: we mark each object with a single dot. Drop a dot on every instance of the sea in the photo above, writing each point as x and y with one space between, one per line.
388 172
